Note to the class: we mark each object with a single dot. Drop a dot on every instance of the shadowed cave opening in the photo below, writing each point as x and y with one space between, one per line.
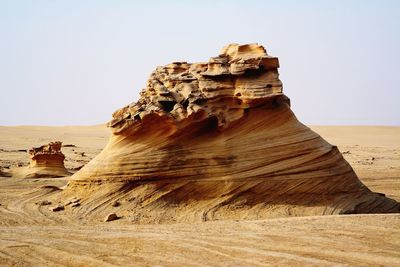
185 104
167 106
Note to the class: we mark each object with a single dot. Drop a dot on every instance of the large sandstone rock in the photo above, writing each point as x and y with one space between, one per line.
217 140
45 161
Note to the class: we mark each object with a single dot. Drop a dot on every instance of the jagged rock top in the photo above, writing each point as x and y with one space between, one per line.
241 77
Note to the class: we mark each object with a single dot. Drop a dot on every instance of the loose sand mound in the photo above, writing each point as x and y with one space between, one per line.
218 140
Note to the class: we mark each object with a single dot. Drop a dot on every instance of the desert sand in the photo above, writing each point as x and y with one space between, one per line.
210 167
32 236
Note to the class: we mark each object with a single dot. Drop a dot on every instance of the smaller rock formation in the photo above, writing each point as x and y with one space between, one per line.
4 174
111 217
46 161
57 208
43 203
74 202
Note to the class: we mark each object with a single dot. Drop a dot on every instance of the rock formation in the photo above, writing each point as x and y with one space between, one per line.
217 140
4 174
45 161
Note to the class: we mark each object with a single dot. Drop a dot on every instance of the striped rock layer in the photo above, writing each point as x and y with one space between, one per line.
217 140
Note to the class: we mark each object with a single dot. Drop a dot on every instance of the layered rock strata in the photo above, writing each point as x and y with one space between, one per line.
45 161
217 140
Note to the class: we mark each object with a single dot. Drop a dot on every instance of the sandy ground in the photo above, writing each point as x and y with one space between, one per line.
373 152
29 237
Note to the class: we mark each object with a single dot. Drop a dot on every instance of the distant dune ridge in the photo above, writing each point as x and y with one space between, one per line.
217 140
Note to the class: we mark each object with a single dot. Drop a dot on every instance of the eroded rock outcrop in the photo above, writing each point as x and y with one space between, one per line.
45 161
224 88
217 140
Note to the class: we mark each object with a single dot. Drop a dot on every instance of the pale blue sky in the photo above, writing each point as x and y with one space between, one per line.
75 62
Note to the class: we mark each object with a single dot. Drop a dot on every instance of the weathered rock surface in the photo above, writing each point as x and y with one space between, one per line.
72 202
217 140
223 89
43 203
45 161
111 217
57 208
4 174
